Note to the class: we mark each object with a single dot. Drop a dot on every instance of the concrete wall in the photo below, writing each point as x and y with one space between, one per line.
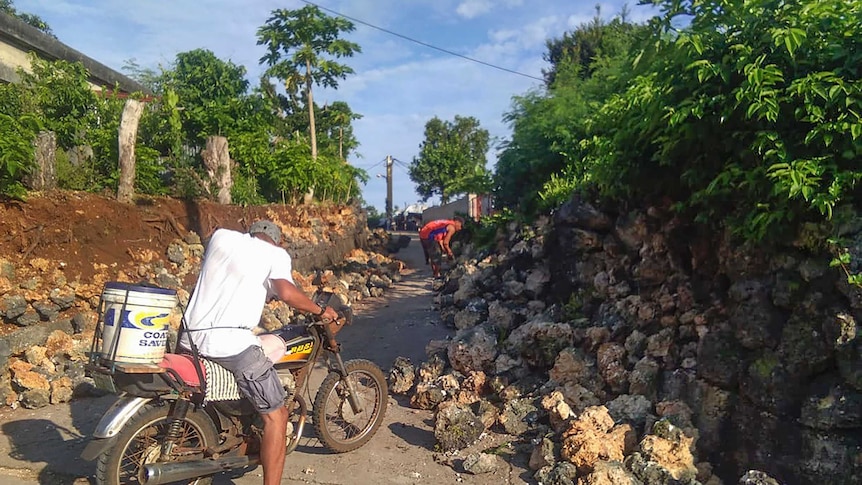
17 39
471 205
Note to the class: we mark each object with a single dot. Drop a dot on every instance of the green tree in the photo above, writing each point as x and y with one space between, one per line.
201 95
590 42
146 76
748 115
541 164
373 217
60 93
28 18
533 153
451 159
336 124
16 154
302 48
212 93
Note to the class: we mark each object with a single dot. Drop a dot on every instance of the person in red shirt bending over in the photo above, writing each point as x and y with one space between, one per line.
435 237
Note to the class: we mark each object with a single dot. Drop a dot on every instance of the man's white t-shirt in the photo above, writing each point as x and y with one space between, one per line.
231 291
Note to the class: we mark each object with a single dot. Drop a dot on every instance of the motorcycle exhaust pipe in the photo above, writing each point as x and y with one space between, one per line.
160 473
297 435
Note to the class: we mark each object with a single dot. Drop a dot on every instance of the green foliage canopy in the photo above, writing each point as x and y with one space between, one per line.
302 50
585 47
336 128
451 159
211 91
28 18
750 114
60 93
740 114
539 166
16 154
198 96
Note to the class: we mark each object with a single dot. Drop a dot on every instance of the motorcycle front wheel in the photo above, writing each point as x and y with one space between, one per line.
338 427
140 443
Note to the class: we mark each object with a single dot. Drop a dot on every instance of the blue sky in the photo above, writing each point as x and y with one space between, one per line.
398 85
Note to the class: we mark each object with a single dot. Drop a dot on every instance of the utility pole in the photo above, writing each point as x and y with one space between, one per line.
389 189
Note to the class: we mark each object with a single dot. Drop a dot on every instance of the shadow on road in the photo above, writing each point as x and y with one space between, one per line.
403 323
410 433
42 440
28 441
413 435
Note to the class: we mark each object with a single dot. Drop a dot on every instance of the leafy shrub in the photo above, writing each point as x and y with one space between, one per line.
558 190
149 171
245 190
749 117
16 153
484 233
60 94
73 176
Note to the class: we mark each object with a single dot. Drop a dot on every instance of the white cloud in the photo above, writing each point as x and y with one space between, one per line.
526 40
473 8
470 9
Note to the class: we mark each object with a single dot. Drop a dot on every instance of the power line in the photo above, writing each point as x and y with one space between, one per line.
372 166
401 164
396 34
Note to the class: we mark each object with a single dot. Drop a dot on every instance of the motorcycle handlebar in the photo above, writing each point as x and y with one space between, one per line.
344 311
342 317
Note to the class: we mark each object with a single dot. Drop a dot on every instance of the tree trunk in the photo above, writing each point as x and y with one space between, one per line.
311 125
216 158
128 135
309 196
341 143
44 173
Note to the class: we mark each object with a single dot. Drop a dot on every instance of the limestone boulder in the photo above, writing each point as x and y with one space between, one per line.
481 463
593 437
540 340
402 374
427 395
473 349
518 416
670 449
456 427
609 473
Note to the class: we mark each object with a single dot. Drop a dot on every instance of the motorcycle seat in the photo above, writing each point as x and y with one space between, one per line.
184 366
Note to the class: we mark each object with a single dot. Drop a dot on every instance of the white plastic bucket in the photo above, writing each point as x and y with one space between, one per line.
143 314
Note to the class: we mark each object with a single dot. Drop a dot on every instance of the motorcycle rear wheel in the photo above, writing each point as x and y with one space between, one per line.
338 427
139 443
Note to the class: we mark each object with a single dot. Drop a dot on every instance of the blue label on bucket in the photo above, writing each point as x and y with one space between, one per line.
142 320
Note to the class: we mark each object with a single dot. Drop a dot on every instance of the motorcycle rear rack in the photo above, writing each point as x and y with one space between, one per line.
111 368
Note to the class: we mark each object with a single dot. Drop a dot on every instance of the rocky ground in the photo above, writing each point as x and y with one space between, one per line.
42 445
590 348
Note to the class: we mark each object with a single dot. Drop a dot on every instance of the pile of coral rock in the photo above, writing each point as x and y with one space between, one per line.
42 361
584 341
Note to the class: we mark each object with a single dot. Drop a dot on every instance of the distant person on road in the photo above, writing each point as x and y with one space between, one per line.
239 272
435 237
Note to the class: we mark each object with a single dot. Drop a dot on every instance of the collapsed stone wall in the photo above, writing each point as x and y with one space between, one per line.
763 347
710 359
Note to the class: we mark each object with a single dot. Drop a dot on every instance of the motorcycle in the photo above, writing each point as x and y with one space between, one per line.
183 419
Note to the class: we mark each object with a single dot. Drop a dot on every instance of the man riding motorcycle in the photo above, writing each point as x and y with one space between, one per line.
239 272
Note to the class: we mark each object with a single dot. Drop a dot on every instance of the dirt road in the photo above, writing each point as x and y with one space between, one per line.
42 446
